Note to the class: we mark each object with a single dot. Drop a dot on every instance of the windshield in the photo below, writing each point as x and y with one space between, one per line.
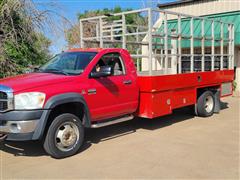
68 63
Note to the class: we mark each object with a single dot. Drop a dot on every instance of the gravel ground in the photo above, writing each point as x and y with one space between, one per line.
175 146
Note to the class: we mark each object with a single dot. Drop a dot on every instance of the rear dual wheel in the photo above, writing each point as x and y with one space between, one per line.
205 104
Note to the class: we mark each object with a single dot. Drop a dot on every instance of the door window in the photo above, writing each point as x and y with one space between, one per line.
113 60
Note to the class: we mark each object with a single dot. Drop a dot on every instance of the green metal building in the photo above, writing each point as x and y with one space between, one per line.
224 10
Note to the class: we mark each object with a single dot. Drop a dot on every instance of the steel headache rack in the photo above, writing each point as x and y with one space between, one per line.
163 42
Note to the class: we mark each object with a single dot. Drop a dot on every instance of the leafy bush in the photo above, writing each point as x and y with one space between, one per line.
21 44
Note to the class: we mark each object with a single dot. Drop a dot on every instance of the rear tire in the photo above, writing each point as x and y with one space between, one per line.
64 137
205 104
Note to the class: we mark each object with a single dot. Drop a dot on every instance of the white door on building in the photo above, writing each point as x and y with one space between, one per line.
237 78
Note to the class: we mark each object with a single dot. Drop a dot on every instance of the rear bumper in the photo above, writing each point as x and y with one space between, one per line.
19 125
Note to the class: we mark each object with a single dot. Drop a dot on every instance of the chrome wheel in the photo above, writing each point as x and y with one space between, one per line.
67 136
209 104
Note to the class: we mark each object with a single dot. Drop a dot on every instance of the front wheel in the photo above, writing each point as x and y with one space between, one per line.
64 137
205 104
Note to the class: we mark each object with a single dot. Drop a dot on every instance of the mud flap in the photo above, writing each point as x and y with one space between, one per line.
195 110
217 107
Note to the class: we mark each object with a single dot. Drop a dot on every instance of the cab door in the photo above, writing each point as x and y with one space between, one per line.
114 95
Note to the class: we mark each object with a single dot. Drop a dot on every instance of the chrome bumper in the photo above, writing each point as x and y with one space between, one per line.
17 127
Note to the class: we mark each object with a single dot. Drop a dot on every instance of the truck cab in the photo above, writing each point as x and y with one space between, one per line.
85 85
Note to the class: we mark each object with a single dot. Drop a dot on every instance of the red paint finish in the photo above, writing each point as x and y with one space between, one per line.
159 95
113 97
149 96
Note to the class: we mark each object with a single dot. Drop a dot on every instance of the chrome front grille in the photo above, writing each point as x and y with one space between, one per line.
3 95
3 101
6 98
3 105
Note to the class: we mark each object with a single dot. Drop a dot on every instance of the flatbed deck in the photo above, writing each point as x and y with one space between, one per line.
159 95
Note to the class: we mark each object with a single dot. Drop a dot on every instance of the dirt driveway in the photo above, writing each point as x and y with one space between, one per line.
175 146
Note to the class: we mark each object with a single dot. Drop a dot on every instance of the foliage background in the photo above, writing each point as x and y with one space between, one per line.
72 34
21 44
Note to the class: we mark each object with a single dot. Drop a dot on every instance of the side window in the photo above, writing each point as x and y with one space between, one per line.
114 60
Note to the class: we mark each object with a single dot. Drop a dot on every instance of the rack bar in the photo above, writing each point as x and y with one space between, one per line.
165 43
111 26
81 34
101 33
97 30
124 31
112 30
203 46
179 45
213 47
230 46
137 33
221 50
150 41
233 43
192 46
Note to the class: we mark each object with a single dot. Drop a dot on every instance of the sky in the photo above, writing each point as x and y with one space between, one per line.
70 9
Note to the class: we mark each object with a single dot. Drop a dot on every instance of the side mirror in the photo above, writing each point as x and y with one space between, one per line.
36 69
31 69
104 72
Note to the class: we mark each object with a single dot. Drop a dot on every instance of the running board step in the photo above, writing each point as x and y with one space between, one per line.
115 121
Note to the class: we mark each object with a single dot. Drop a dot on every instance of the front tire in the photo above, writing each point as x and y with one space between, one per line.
205 104
64 137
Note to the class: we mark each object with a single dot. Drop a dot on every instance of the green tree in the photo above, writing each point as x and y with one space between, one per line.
72 35
21 44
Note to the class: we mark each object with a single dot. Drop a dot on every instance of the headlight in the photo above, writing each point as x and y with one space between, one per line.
31 100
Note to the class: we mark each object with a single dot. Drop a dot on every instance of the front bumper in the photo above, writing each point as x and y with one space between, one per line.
19 125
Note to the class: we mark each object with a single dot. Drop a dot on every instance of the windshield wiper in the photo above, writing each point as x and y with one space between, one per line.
58 71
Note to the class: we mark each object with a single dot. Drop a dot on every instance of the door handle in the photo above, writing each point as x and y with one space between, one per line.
127 82
92 91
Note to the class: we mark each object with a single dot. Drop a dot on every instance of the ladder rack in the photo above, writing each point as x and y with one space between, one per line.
163 42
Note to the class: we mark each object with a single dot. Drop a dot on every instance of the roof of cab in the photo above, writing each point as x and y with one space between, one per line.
85 50
97 50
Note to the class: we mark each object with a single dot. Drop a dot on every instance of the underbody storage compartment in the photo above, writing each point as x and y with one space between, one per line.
154 104
159 95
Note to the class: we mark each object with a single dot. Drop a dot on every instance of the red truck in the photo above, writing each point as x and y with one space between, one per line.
91 88
57 104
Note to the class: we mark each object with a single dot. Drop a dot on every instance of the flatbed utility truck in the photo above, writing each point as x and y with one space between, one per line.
146 68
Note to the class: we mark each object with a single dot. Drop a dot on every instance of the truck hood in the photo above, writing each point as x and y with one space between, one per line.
33 80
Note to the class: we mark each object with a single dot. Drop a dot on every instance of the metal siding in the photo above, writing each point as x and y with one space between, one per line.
231 17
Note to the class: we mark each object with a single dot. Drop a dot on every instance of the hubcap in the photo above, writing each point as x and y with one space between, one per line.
67 136
209 104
